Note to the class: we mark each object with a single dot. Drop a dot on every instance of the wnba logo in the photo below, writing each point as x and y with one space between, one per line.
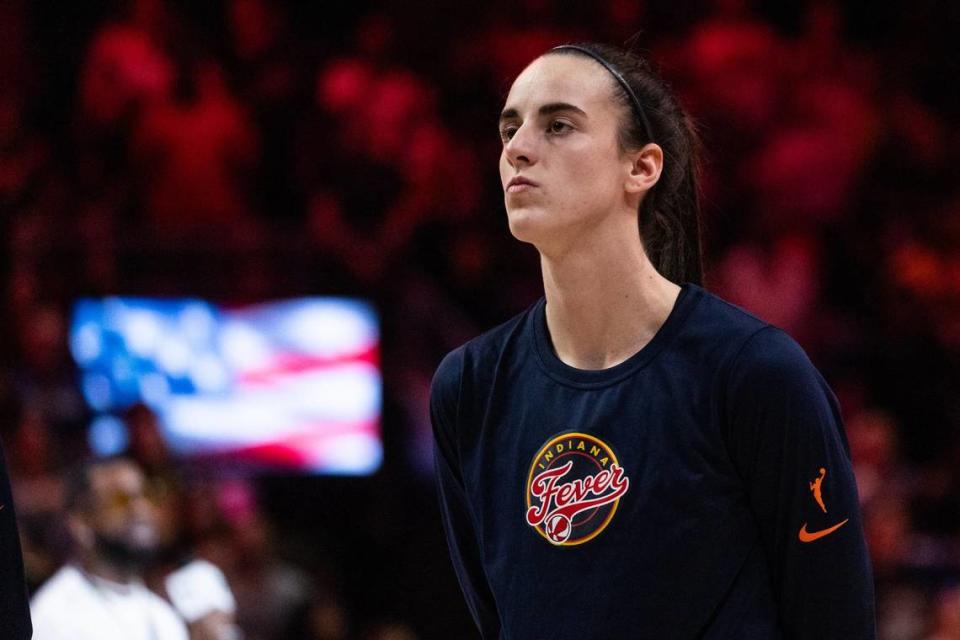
573 489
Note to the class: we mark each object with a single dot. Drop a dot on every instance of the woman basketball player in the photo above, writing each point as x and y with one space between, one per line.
633 457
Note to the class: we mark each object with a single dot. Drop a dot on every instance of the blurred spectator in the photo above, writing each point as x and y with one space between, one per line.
398 168
231 533
100 594
268 590
805 171
22 157
889 538
875 451
197 147
273 83
45 380
200 593
902 613
39 495
778 280
124 69
501 50
946 615
735 60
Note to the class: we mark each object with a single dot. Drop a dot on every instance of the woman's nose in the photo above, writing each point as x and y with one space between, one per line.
521 148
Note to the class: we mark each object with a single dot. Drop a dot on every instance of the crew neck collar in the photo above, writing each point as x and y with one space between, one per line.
560 371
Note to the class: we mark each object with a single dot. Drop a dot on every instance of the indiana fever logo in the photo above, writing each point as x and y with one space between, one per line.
573 488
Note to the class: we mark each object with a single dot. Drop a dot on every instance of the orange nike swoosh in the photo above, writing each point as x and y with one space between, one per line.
810 536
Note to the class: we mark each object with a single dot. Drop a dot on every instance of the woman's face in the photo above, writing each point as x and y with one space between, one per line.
559 131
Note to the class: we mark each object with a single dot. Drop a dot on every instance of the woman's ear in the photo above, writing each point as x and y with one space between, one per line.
646 165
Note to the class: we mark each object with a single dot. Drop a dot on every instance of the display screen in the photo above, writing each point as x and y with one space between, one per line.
289 385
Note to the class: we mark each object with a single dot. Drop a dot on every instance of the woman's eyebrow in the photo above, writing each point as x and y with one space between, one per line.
547 109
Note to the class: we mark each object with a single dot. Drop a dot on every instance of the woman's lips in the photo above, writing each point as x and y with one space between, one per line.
519 184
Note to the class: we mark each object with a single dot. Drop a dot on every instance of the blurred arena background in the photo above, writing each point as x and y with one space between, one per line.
241 153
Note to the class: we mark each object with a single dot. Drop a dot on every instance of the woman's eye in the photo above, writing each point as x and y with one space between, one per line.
556 127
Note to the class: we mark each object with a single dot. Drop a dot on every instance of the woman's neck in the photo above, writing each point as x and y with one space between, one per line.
605 301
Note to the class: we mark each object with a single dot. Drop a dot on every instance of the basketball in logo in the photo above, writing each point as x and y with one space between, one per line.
558 528
573 489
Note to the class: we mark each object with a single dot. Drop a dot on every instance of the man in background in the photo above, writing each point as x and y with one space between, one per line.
101 595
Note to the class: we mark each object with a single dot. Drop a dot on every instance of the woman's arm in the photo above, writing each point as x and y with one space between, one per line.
458 523
787 441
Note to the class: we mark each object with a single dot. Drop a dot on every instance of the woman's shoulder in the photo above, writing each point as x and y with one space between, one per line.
748 343
719 315
772 359
761 366
489 346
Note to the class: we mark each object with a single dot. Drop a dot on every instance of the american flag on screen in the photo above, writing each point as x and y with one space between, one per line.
293 384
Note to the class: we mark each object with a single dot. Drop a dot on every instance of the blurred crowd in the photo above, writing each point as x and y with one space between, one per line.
244 150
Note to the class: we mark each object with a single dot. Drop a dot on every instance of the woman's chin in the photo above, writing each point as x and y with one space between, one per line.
528 224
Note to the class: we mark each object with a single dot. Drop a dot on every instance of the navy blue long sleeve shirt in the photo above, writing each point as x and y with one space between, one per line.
700 489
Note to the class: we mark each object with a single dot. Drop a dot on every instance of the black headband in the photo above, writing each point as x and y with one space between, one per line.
647 130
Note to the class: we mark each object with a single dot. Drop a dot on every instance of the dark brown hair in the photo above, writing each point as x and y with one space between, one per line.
669 218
